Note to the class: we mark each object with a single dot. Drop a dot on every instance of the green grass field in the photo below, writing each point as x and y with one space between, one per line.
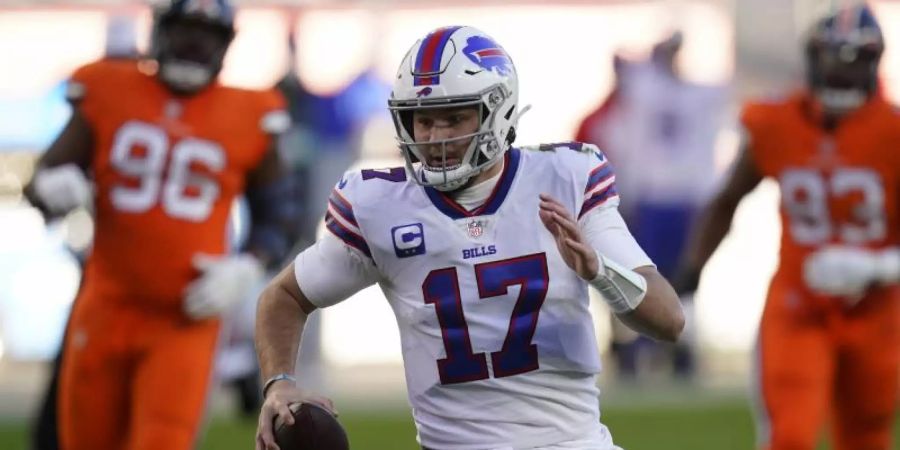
724 426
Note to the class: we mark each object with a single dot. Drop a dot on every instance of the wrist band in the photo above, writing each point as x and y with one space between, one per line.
279 377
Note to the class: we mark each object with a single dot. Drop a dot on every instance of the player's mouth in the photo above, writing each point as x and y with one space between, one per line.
443 164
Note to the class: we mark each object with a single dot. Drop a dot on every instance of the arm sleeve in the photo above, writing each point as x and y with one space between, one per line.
274 119
82 91
600 189
330 271
607 233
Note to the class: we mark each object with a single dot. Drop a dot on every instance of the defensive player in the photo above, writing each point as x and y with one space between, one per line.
829 340
168 149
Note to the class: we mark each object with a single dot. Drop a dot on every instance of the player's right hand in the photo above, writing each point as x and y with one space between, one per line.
62 188
278 399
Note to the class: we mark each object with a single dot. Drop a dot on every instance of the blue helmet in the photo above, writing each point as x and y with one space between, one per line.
843 51
190 38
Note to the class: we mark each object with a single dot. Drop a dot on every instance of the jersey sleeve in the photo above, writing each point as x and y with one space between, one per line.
754 118
600 188
340 219
329 272
607 233
274 118
83 89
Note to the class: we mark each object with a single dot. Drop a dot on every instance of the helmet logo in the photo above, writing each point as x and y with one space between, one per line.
488 55
424 92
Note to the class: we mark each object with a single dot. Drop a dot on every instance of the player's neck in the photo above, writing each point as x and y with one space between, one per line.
479 188
488 174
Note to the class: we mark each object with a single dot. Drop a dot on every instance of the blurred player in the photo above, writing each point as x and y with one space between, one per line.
485 253
660 134
169 149
829 340
120 45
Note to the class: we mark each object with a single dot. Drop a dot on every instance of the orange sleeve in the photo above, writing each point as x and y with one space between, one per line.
83 90
753 124
273 116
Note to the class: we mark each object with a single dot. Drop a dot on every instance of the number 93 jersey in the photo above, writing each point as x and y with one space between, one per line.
498 342
166 171
836 188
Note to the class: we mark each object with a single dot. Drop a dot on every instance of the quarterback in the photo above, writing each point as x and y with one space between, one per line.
485 252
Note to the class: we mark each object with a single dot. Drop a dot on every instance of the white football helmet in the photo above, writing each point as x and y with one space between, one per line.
454 67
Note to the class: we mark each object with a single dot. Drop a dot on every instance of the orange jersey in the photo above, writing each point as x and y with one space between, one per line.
167 170
836 188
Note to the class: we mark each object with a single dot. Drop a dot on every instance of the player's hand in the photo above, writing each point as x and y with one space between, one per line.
278 400
224 282
62 188
842 271
577 253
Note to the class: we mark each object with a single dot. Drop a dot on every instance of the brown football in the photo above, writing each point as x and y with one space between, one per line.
314 428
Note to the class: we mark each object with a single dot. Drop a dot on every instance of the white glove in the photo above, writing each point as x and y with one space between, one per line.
225 282
847 271
62 188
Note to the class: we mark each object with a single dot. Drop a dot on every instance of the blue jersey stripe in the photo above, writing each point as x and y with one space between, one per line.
350 238
598 199
343 207
597 176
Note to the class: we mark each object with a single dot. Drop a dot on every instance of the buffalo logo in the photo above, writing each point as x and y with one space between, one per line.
487 54
424 92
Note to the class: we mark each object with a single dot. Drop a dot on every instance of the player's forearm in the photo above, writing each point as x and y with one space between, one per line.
279 325
659 315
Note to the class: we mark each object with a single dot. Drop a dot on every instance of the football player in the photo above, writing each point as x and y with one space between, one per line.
485 252
168 149
829 339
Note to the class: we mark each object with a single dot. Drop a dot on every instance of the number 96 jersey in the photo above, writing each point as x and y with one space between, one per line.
498 342
836 188
166 171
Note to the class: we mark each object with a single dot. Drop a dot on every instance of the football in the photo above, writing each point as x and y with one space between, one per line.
314 428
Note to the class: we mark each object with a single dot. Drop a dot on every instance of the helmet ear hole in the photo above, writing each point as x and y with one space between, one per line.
511 136
509 113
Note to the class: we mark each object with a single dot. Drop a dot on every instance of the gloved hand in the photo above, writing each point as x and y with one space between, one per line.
225 281
842 271
62 188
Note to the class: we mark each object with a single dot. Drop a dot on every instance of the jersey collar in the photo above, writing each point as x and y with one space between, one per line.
454 210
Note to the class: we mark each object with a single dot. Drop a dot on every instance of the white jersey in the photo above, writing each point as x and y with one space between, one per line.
663 131
497 339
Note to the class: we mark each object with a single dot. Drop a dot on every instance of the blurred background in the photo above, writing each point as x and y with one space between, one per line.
334 60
